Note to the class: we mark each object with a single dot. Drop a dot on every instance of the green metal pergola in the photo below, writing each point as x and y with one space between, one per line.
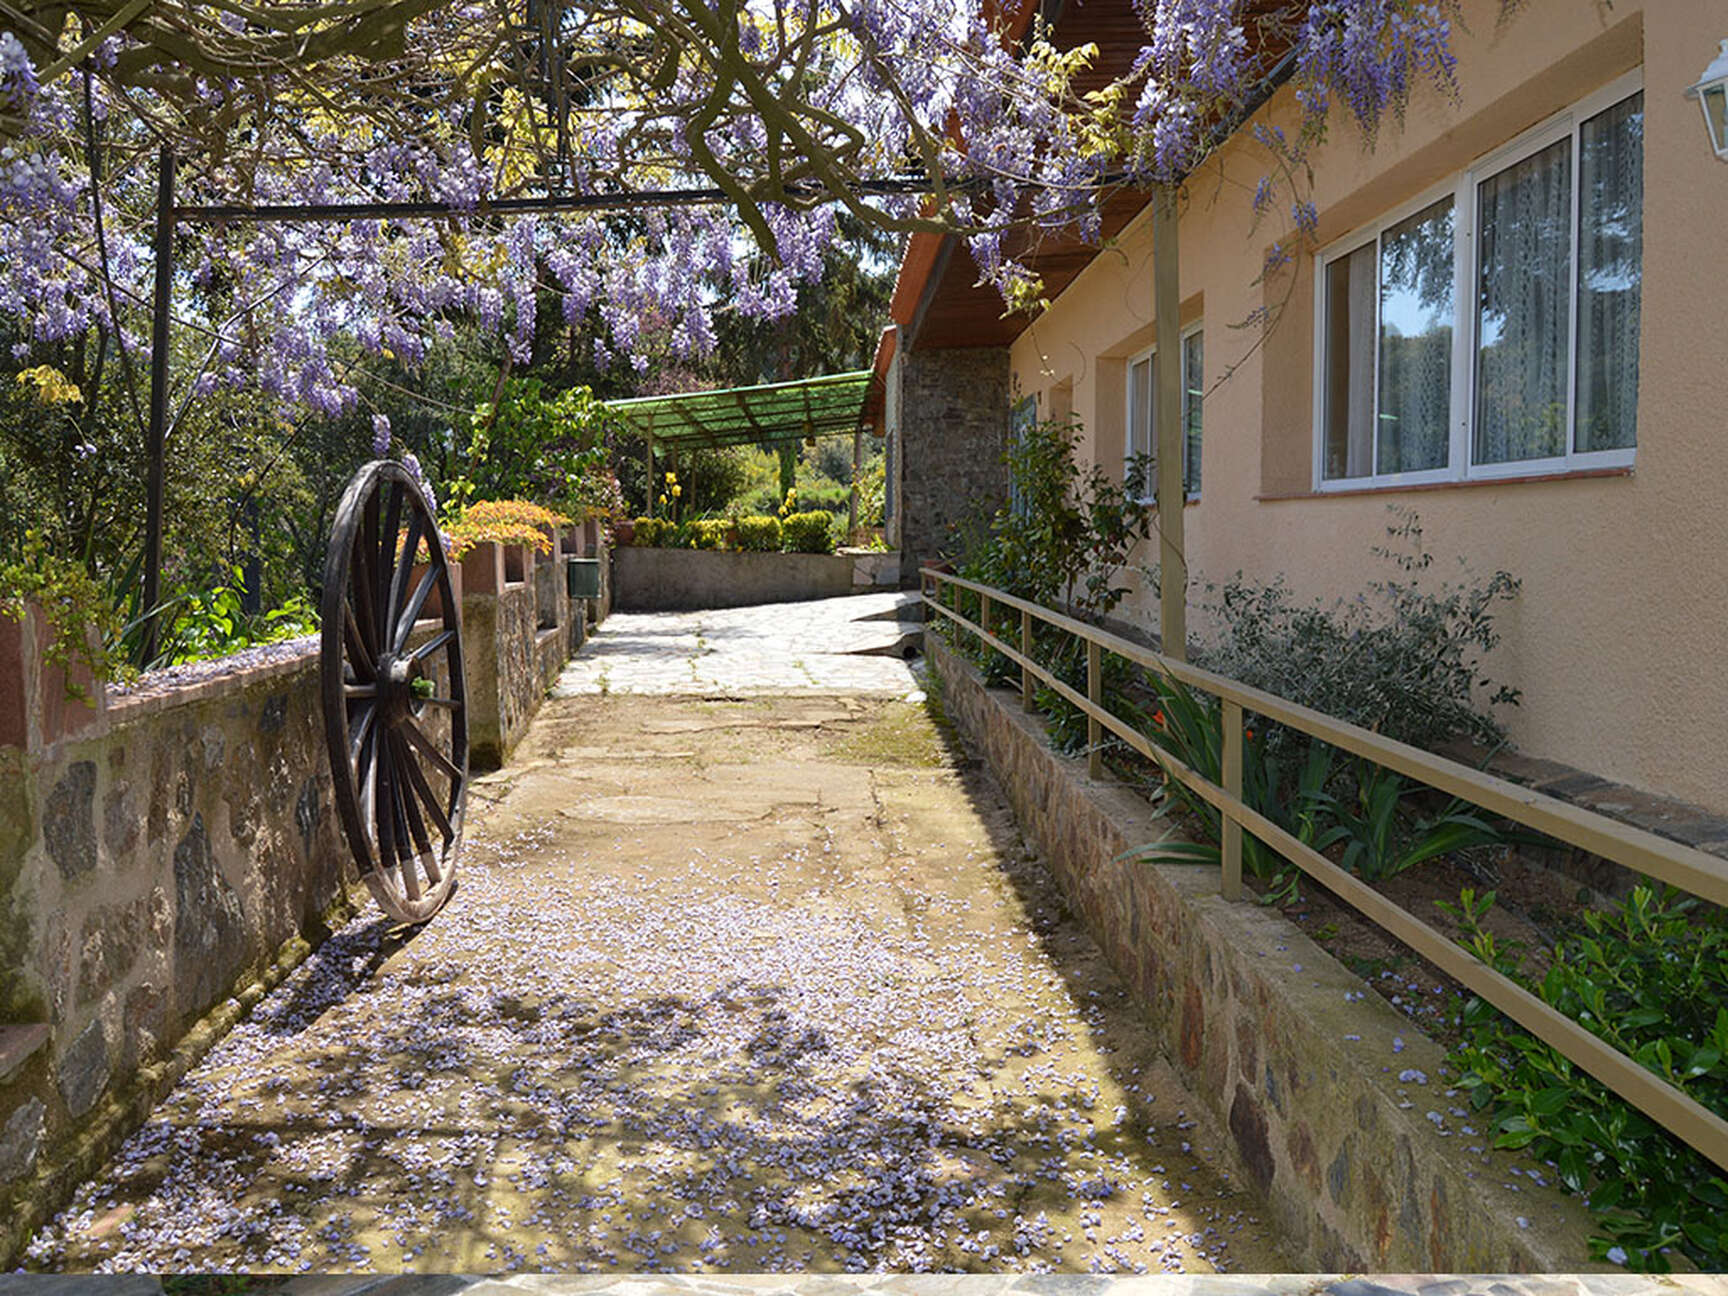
773 414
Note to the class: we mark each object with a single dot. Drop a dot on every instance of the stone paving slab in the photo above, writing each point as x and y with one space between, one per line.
854 644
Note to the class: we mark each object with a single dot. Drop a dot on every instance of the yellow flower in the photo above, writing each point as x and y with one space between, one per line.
671 477
52 386
677 491
662 499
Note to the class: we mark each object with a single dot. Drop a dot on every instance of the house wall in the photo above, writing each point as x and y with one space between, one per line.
951 415
1617 634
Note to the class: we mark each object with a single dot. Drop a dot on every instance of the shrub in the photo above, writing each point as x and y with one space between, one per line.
511 522
652 533
1066 536
759 533
1650 977
1402 659
811 532
706 533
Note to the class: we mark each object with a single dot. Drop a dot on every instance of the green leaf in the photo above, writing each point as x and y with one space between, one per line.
1550 1102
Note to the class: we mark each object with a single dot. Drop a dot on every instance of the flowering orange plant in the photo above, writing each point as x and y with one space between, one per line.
508 522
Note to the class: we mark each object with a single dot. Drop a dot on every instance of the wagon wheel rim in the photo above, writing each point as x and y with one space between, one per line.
394 693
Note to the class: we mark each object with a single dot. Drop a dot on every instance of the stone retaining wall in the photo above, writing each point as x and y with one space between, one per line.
165 849
682 580
170 851
1361 1170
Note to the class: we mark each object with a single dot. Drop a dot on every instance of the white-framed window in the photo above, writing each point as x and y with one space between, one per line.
1489 328
1142 436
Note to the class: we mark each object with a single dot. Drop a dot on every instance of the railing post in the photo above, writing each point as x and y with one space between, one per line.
1026 703
1094 695
1231 883
984 613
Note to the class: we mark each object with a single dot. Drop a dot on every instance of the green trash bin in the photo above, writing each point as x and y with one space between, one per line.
582 577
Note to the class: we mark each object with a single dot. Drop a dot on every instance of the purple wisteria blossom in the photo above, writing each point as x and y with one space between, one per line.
845 92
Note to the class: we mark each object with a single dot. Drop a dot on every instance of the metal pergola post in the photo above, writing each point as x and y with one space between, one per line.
157 435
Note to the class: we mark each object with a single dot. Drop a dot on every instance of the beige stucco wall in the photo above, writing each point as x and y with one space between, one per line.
1618 636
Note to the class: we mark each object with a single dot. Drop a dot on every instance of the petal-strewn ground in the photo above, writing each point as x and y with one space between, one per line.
745 983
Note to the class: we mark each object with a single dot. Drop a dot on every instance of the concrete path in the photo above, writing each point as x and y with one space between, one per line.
854 645
748 983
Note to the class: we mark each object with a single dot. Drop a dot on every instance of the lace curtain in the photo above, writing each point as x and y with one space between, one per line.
1416 312
1610 273
1524 292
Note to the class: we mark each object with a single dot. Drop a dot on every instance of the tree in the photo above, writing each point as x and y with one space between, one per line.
421 165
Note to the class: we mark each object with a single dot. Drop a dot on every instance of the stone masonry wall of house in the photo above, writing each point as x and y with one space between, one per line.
164 857
953 430
1363 1165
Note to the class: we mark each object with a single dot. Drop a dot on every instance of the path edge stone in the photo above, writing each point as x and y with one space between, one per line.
1253 1017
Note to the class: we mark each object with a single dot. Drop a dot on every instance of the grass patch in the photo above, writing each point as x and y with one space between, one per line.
900 733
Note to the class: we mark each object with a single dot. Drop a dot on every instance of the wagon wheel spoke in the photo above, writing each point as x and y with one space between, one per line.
358 653
364 580
407 850
384 812
360 731
394 609
411 814
428 798
387 541
432 645
449 704
368 780
410 731
411 613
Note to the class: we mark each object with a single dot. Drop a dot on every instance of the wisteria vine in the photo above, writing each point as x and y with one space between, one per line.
785 107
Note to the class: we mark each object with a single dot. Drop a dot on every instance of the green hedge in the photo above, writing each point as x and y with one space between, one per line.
759 533
811 532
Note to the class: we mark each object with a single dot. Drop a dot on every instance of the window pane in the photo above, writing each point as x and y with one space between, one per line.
1193 394
1610 273
1524 298
1416 313
1140 439
1349 395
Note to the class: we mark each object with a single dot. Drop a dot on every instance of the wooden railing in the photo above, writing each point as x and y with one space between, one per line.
1691 870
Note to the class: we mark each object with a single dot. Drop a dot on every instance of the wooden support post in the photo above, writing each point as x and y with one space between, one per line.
649 452
1167 419
1026 703
1094 695
1231 884
984 613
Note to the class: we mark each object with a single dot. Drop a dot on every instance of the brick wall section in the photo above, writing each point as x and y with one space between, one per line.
953 425
1253 1015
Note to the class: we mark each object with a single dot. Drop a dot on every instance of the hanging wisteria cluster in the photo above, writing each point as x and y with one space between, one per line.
788 109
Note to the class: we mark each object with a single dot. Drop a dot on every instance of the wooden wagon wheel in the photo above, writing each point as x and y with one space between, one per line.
395 700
